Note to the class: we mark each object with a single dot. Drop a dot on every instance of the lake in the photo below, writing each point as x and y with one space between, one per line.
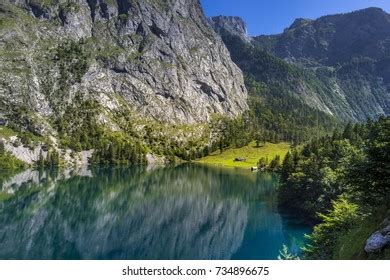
184 212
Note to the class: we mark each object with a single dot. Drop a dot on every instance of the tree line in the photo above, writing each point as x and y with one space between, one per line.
336 182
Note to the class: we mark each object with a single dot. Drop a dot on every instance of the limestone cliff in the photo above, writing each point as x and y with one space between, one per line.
153 59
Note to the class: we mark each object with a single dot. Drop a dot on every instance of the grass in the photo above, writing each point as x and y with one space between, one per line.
6 132
351 245
251 153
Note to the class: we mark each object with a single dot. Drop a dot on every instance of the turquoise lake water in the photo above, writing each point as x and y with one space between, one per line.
184 212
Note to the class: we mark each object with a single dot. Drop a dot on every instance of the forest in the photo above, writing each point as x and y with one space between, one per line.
341 184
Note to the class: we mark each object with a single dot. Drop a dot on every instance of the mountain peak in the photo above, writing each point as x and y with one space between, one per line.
232 24
300 22
371 10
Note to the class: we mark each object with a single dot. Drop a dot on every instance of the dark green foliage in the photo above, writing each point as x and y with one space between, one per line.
263 163
165 144
370 177
78 127
278 116
317 174
25 139
18 119
288 165
275 164
2 148
233 132
72 60
351 168
52 159
119 150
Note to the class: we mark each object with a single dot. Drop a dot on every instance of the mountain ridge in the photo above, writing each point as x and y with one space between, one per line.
352 84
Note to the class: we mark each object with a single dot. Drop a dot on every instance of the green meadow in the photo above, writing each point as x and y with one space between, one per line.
251 153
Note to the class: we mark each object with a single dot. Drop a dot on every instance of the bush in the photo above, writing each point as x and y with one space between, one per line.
8 161
322 242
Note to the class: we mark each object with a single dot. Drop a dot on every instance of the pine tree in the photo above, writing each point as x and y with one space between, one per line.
285 254
2 148
287 166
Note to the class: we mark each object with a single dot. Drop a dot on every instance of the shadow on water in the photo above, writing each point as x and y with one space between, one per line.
183 212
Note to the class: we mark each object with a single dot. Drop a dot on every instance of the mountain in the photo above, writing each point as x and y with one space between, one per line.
333 39
158 60
234 25
123 79
349 52
287 103
341 62
112 81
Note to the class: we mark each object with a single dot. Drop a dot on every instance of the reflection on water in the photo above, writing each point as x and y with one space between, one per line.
183 212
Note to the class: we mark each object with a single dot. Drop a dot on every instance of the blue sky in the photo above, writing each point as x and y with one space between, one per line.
272 16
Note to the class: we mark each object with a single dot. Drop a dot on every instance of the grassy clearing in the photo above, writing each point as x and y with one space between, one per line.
251 153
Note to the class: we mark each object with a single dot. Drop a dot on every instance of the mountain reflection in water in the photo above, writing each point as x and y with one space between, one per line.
183 212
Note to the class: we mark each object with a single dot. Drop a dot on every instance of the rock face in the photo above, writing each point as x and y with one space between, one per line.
270 70
156 59
348 53
31 155
335 39
337 64
233 25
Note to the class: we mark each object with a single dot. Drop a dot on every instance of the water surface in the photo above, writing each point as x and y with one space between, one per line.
184 212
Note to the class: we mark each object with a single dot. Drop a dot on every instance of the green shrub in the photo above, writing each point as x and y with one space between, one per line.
8 161
322 242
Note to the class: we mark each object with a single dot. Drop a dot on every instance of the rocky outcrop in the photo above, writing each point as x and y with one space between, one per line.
155 59
154 160
379 240
233 25
32 154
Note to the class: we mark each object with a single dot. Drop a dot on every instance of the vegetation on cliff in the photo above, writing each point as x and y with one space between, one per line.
8 161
